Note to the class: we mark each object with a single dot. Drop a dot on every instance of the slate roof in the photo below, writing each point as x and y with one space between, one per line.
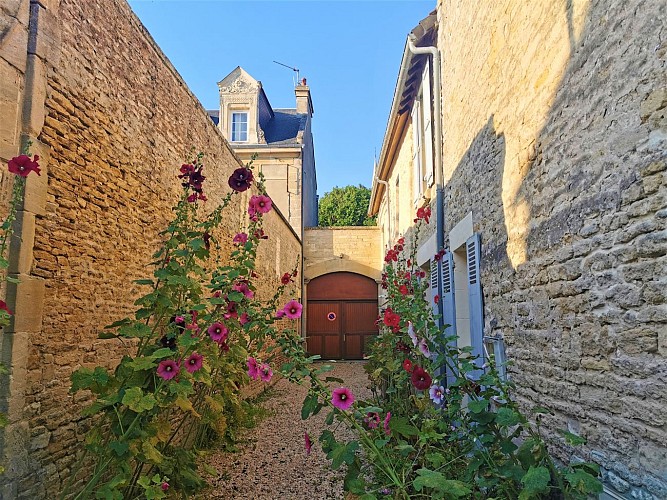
214 114
284 126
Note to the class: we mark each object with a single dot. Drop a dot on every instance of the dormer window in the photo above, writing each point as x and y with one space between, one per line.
239 126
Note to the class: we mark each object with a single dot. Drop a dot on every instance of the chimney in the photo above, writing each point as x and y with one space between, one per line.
303 102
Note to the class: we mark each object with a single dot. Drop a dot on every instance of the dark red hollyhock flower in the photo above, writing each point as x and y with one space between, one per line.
403 289
423 213
3 307
391 319
436 298
241 179
391 255
420 379
398 248
197 179
186 170
259 234
286 278
401 241
407 365
402 346
207 240
22 165
294 273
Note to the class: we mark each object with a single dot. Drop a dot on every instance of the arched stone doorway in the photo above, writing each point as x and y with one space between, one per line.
341 314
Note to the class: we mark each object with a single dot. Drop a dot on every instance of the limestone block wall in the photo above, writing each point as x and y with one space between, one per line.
555 137
332 249
113 123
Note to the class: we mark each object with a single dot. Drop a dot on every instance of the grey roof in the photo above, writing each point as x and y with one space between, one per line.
214 114
284 127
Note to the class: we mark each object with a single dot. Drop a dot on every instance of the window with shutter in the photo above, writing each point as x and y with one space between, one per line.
448 301
434 289
475 298
427 130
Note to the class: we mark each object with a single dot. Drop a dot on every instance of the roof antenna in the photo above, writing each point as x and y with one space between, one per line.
296 70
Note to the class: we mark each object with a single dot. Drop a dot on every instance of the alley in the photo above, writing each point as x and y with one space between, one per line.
272 462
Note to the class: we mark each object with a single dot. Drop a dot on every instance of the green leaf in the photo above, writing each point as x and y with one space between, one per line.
535 482
85 378
402 426
151 453
163 352
197 244
342 453
235 296
310 406
119 447
573 439
135 400
478 406
330 418
542 410
142 363
438 482
144 282
507 417
583 482
11 279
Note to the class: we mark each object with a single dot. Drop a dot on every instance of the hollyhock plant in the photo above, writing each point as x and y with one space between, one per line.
293 309
22 165
241 179
420 378
244 319
407 365
232 311
403 289
372 420
342 398
260 204
194 362
391 319
218 332
387 419
286 279
164 486
265 372
240 239
280 313
242 286
253 368
3 307
423 348
168 369
437 393
412 335
307 443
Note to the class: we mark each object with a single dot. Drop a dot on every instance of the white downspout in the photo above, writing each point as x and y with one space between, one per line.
386 187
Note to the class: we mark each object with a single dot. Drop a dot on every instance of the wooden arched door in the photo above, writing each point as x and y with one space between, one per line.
341 314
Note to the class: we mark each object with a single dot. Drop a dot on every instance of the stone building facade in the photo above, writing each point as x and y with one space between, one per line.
554 152
281 141
112 121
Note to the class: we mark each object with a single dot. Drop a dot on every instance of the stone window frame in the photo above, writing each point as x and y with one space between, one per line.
232 114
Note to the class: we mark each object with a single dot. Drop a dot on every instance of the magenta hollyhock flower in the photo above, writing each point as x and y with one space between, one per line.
436 393
194 362
22 165
280 313
242 287
420 378
372 420
241 179
293 309
218 332
387 418
265 372
253 368
168 369
3 307
240 238
179 320
342 398
307 443
192 198
259 204
244 318
165 486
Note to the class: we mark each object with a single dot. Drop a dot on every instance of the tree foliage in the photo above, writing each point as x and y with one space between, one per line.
346 206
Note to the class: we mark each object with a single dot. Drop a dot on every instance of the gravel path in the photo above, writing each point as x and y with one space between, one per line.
272 463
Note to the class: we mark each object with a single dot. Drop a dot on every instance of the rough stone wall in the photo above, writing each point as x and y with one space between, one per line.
332 249
555 137
118 123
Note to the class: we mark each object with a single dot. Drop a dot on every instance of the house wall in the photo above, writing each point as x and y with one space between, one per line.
117 122
555 128
309 179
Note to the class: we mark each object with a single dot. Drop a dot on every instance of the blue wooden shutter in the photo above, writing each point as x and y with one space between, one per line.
475 297
448 302
434 285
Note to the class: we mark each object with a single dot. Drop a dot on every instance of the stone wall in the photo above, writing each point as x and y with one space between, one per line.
555 137
116 122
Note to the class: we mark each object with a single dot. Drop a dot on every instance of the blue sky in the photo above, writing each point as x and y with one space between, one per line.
349 50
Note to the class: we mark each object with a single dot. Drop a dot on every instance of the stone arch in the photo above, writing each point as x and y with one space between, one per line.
322 268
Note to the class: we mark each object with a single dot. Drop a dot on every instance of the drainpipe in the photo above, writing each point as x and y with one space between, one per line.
386 188
437 113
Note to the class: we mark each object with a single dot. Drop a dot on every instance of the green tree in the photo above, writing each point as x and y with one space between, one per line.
346 206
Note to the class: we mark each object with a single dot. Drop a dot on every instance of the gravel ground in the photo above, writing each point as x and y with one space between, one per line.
272 462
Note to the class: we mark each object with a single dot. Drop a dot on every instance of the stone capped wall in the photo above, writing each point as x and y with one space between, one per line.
555 137
117 122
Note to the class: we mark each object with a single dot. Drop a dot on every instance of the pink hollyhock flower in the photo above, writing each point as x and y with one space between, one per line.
265 372
307 443
168 369
244 318
387 418
217 294
3 307
372 420
342 398
253 368
423 348
22 165
194 362
165 486
240 179
293 309
231 311
420 378
179 320
218 332
240 238
280 313
242 287
192 198
260 204
436 393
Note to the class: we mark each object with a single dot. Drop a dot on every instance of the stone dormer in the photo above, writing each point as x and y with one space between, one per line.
245 111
